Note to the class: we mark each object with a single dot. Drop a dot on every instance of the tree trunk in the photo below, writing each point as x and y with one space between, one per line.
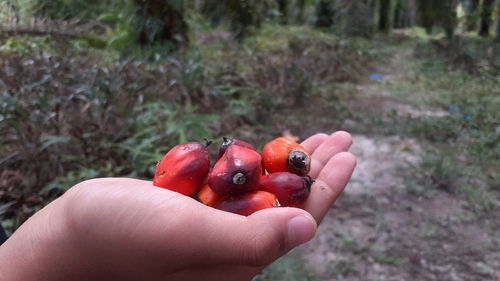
449 17
283 8
402 15
398 14
498 21
384 15
162 21
486 18
300 8
324 13
359 18
412 12
426 13
471 9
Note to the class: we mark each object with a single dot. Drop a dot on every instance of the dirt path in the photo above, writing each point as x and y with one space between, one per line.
386 226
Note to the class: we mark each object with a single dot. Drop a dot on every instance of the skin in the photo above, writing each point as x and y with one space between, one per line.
124 229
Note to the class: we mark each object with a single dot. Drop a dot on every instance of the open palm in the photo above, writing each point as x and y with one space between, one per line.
124 229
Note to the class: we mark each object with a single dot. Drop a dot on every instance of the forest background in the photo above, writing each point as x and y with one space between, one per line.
94 88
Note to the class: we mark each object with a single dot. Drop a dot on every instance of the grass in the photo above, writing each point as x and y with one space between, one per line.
460 123
466 140
287 268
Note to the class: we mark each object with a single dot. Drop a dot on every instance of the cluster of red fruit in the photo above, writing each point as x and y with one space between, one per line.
242 181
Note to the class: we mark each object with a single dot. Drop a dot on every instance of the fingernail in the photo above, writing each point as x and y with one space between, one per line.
300 230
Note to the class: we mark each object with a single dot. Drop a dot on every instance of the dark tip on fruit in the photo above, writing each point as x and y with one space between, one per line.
239 178
299 162
208 142
308 181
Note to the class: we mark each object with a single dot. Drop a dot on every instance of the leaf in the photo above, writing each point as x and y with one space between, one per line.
110 18
120 41
65 182
50 140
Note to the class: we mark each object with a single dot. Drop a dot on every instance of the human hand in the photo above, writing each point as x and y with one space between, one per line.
124 229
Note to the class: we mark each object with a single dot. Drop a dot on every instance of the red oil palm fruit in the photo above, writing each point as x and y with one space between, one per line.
290 189
207 196
237 171
247 203
232 141
184 168
285 155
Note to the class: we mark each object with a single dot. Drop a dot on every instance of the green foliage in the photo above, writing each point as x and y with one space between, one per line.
467 137
384 258
159 126
110 127
73 177
23 45
66 9
84 113
287 268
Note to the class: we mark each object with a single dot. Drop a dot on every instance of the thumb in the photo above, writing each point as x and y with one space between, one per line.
260 238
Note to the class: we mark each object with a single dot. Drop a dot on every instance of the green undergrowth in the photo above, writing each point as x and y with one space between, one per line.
69 112
287 268
447 97
467 139
459 126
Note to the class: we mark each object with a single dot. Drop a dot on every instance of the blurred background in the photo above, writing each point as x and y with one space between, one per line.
104 88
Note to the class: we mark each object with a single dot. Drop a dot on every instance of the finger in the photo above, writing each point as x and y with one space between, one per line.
331 181
224 238
158 224
311 143
337 142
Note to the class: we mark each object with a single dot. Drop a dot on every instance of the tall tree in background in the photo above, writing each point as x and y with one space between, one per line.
405 12
324 13
486 18
283 8
359 18
384 23
301 4
427 12
449 17
162 21
441 12
498 21
471 10
241 15
400 14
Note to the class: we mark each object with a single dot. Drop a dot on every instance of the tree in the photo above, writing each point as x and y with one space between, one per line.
324 13
241 15
471 9
486 18
441 12
449 17
427 13
283 8
300 10
498 21
162 21
359 18
400 14
384 23
404 13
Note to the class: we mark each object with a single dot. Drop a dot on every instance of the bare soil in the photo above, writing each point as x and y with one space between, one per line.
387 227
